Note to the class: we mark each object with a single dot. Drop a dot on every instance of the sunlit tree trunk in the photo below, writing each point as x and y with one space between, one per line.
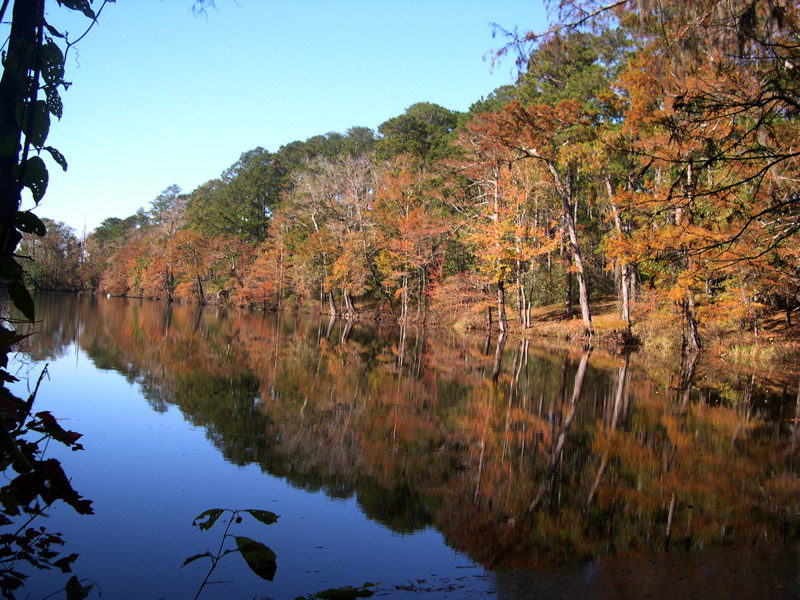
404 299
583 288
565 192
567 283
624 273
331 304
502 322
692 335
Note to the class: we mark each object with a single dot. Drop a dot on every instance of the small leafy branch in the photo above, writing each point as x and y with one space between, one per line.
258 557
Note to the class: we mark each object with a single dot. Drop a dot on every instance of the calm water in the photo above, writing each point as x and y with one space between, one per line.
436 465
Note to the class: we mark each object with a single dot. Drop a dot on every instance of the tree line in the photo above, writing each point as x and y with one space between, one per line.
644 150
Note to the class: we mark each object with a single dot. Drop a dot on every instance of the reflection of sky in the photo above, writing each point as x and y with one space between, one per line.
149 474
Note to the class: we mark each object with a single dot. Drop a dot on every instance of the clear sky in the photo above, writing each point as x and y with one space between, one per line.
160 96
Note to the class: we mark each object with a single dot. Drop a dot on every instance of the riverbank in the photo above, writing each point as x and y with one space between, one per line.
769 352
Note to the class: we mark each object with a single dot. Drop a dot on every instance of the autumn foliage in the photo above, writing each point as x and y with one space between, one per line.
647 151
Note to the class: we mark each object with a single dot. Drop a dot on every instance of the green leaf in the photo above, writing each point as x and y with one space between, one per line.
81 5
210 517
266 517
191 559
21 298
29 223
36 177
258 557
57 156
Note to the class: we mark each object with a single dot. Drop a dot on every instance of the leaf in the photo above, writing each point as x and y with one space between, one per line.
53 31
56 486
10 270
7 339
22 299
211 517
29 223
258 557
36 177
191 559
36 131
54 103
81 5
65 564
76 591
57 156
50 426
52 63
264 516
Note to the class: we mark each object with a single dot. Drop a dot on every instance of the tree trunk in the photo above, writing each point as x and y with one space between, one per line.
423 293
565 194
502 323
692 336
626 304
569 222
520 293
623 287
523 305
201 298
331 305
531 291
568 285
404 300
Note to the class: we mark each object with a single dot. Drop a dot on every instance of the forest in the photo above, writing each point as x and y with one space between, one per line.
647 153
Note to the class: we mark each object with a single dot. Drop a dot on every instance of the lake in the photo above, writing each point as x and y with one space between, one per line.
432 463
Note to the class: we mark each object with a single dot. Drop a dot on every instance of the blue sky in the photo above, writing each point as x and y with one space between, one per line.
161 97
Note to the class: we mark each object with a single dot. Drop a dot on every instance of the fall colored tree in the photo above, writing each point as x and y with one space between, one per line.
713 88
411 232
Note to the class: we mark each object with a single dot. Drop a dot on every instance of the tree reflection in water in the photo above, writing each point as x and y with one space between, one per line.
525 458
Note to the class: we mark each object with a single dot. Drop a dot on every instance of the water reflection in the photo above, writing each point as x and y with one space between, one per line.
523 457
